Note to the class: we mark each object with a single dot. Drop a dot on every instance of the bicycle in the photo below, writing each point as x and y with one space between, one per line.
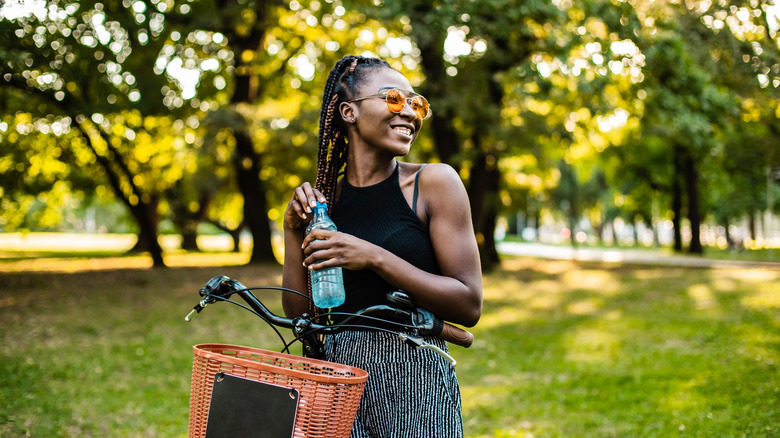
302 396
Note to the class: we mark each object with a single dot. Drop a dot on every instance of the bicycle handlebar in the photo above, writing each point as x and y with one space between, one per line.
456 335
421 322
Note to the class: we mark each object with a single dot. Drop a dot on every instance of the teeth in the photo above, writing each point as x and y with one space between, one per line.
405 131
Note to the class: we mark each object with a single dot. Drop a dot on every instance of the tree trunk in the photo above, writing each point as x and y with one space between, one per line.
436 86
537 223
234 233
677 200
247 165
694 213
598 229
246 161
143 208
483 189
185 220
752 225
615 237
569 177
145 214
729 239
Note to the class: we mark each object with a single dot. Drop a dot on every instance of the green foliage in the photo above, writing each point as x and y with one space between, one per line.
145 99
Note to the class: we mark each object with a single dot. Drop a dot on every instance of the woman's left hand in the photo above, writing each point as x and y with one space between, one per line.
327 249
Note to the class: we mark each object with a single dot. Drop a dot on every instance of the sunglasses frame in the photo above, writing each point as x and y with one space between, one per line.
408 96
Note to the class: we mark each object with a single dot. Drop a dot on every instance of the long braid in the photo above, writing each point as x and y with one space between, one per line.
333 150
342 84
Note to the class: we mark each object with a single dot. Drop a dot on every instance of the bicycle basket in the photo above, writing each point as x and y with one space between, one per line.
329 392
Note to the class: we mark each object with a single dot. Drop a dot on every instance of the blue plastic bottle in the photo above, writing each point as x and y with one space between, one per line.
327 285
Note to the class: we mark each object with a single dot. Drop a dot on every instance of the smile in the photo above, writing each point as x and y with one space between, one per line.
402 130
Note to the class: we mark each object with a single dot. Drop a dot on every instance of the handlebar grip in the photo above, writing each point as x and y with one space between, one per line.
456 335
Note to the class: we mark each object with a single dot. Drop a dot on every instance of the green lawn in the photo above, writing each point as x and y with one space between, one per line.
563 349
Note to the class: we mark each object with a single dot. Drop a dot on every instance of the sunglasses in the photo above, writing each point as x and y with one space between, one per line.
396 100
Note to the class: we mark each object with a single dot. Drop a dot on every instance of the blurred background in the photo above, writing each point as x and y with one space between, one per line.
592 122
638 140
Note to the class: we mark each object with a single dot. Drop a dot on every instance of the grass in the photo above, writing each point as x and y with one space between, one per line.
95 347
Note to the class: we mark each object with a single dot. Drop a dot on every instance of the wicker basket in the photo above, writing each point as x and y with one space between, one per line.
329 393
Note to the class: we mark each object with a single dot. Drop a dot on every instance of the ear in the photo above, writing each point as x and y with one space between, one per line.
348 112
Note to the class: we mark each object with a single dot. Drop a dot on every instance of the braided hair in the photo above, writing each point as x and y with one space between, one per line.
343 82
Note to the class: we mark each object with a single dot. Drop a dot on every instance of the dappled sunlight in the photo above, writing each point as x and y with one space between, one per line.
684 396
503 317
760 346
549 267
141 261
551 286
722 283
507 289
208 259
587 306
562 349
518 264
763 300
601 281
73 242
550 298
765 290
559 267
76 264
702 295
760 288
654 274
758 275
592 345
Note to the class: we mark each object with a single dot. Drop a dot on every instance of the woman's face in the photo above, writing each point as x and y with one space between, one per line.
376 124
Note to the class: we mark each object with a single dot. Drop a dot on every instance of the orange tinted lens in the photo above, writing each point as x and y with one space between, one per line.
420 106
395 100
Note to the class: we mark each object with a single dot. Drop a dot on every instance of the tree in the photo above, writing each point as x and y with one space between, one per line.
473 47
80 63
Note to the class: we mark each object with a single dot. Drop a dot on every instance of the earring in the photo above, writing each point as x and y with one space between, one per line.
352 120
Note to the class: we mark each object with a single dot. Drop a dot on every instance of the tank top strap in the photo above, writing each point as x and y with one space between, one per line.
416 189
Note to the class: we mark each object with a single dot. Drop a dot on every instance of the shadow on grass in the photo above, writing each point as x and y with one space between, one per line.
564 349
578 349
107 352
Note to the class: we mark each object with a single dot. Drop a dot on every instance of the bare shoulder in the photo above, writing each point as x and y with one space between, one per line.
441 178
444 194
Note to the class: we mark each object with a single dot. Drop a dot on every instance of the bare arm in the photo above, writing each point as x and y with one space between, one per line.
294 274
456 294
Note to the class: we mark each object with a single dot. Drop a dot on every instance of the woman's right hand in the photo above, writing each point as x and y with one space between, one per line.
299 209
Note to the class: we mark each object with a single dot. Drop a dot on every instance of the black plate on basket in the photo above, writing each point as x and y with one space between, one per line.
243 407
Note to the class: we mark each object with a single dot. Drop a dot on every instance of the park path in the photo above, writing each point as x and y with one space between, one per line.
623 255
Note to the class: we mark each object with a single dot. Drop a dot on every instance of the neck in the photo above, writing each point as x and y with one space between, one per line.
363 171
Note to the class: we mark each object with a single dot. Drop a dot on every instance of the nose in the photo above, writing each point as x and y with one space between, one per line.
407 110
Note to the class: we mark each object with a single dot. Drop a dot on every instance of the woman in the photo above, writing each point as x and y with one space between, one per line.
401 226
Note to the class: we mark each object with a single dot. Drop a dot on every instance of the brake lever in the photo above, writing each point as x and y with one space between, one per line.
220 286
198 307
416 342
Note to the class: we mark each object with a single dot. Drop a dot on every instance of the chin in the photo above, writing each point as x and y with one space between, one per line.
401 152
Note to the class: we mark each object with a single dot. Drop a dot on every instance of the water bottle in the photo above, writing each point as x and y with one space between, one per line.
327 285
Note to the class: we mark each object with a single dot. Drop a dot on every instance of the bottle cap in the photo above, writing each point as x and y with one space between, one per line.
321 205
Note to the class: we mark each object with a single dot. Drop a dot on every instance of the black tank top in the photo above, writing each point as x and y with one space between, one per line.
380 214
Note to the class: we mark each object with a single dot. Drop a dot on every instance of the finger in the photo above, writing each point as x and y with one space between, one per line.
315 235
302 198
311 197
295 210
320 197
319 260
314 256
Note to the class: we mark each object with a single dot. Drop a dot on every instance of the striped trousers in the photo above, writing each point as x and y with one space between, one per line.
410 393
